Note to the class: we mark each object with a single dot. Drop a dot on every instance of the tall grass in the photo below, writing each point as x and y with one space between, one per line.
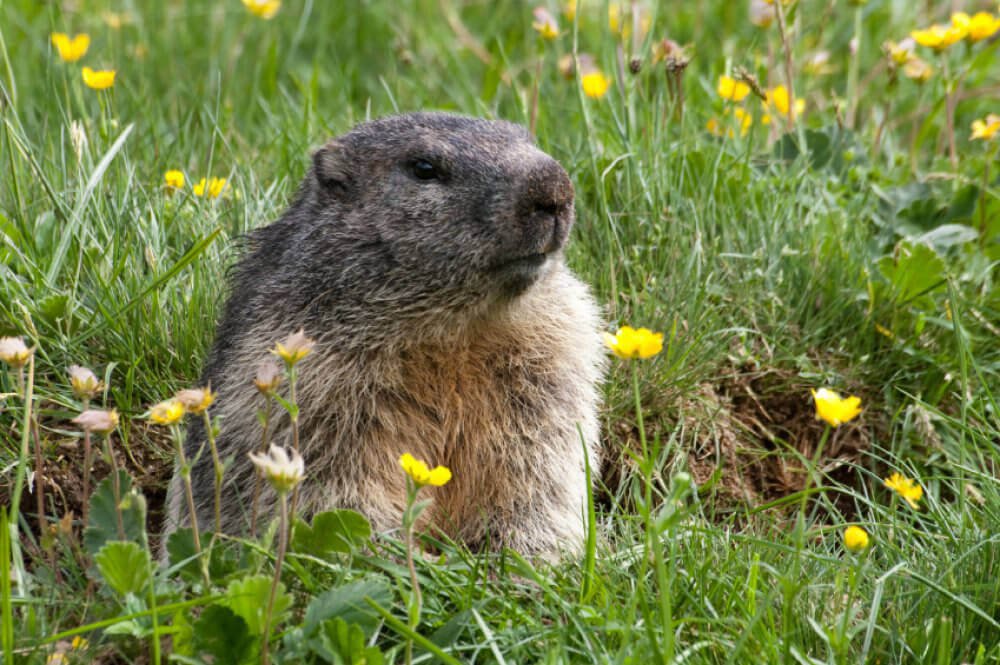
789 258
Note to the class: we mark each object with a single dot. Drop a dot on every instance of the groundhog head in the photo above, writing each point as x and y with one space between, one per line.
436 212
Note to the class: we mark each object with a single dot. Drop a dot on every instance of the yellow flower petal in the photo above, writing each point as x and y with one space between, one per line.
71 49
731 89
630 343
906 488
99 79
265 9
856 539
421 475
167 412
834 409
595 84
173 179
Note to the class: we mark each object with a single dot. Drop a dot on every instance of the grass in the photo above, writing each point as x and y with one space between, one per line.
848 250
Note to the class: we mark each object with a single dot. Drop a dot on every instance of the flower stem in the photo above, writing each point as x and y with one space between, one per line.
186 476
116 485
416 600
292 399
87 462
265 656
217 463
852 73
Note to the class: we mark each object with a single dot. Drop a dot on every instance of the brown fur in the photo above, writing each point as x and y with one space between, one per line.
502 387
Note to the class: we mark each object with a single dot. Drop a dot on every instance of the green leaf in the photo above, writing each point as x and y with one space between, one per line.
248 598
103 526
223 635
124 566
341 642
332 531
913 272
348 602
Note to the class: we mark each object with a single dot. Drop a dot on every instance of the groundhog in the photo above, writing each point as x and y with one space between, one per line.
424 254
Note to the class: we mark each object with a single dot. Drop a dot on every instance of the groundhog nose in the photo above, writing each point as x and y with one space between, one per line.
549 192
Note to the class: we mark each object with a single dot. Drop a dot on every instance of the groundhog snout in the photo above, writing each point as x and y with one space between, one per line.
546 205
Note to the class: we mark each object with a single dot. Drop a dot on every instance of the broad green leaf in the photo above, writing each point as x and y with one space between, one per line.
331 531
248 598
103 526
223 636
343 643
124 566
915 271
348 603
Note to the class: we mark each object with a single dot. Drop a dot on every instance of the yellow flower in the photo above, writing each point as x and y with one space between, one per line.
906 487
173 179
294 348
210 188
778 98
14 352
421 474
83 382
987 128
834 409
855 539
97 421
569 10
101 79
73 48
167 412
631 343
977 28
545 23
918 70
938 37
282 470
265 9
196 400
732 89
79 642
595 84
744 119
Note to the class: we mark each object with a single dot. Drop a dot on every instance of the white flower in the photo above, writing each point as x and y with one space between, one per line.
282 471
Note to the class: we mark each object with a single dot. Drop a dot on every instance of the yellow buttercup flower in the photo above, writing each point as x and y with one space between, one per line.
906 488
422 474
167 412
731 89
73 48
595 84
210 188
569 10
196 400
977 28
631 343
545 23
987 128
938 37
173 179
834 409
265 9
100 79
778 98
856 539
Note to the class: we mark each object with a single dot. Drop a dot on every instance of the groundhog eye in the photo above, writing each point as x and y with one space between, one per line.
424 170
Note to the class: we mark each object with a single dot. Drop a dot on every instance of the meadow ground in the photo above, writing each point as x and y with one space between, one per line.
849 241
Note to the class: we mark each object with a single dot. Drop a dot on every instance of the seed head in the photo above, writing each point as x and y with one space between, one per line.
97 421
284 472
14 352
196 400
84 383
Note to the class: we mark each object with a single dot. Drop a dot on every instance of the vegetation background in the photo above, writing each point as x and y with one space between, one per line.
850 244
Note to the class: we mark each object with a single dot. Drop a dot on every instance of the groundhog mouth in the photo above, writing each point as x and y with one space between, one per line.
518 274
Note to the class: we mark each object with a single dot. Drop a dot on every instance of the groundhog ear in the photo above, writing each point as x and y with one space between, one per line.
331 166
